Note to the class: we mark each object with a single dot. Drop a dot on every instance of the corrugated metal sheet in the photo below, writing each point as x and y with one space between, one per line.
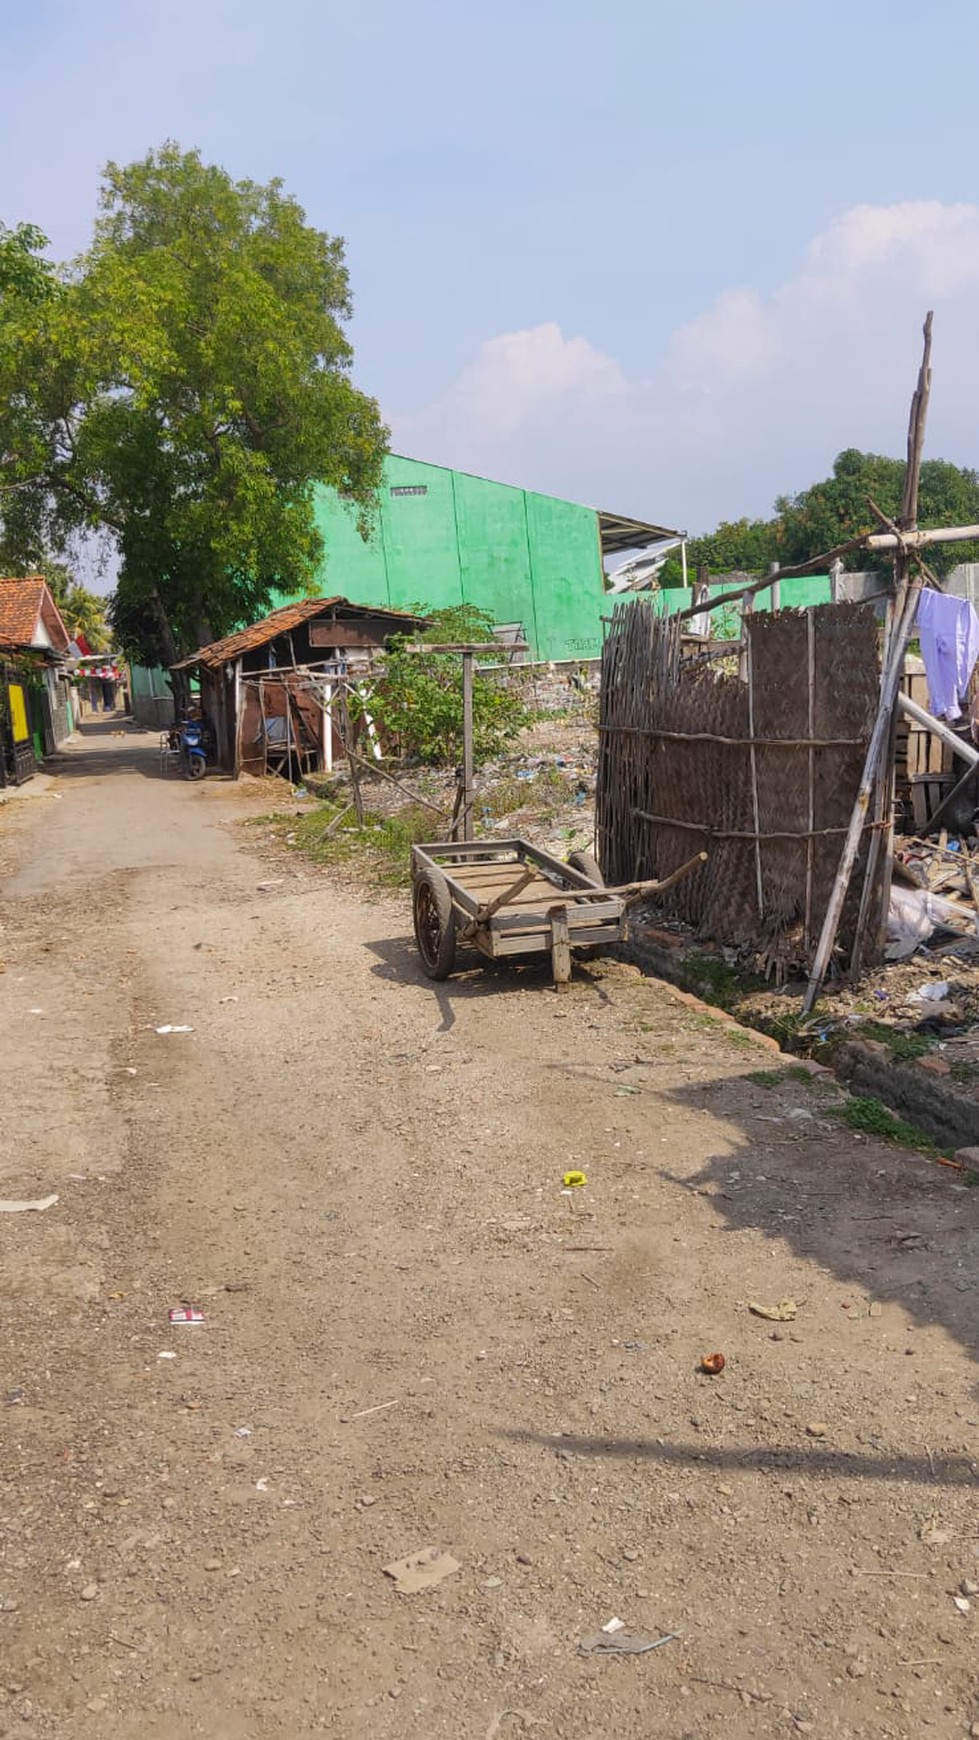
280 622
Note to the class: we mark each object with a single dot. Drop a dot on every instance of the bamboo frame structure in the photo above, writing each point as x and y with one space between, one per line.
907 591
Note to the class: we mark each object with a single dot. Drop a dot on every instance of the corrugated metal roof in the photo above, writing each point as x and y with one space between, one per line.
279 622
617 533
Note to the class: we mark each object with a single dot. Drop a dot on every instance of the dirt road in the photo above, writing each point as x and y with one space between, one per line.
413 1339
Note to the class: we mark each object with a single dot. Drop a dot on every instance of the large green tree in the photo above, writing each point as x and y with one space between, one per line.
185 390
29 292
837 509
82 611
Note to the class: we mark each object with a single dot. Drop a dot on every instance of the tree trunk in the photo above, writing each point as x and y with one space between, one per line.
177 679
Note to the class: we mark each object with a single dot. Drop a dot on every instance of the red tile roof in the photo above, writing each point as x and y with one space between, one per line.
23 605
280 621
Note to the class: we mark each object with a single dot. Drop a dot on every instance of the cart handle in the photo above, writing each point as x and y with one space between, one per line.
631 891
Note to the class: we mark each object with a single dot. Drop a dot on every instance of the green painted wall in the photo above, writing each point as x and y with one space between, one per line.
459 539
797 594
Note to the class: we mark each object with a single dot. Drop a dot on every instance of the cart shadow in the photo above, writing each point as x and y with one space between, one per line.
476 977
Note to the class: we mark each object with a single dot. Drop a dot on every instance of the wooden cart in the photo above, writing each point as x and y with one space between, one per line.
506 897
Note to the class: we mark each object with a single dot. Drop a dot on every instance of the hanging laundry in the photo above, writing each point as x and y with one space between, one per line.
948 629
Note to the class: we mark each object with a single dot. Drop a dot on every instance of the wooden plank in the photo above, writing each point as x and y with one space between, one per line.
483 876
560 946
579 917
537 942
505 896
514 875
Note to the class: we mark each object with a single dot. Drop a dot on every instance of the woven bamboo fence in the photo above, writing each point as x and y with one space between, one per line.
761 773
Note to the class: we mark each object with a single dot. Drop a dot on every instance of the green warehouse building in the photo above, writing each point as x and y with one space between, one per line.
443 537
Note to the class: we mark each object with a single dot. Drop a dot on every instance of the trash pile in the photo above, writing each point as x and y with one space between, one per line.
935 891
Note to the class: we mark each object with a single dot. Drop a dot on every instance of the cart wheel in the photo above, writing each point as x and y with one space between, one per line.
587 865
435 931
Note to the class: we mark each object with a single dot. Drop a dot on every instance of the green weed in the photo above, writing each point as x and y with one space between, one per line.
905 1046
870 1118
710 977
771 1078
382 846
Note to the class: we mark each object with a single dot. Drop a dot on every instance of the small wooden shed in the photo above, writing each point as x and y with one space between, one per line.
269 691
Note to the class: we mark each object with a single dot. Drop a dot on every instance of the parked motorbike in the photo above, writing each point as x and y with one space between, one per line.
194 746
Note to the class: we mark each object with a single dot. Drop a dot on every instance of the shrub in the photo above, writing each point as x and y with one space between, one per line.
417 700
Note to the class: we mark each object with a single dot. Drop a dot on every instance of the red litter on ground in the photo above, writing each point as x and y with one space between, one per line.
185 1314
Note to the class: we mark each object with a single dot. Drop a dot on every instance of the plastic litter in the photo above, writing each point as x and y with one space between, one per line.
185 1314
26 1207
624 1643
913 916
935 991
169 1028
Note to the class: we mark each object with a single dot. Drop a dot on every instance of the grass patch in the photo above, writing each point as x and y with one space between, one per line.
905 1046
770 1078
509 794
382 847
962 1071
870 1118
710 977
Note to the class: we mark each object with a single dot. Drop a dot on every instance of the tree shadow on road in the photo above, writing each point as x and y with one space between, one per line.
940 1470
889 1223
111 744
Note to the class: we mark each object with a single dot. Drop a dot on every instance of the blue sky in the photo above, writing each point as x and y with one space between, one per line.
666 258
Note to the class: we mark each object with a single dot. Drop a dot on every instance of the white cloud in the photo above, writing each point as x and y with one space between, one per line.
514 375
752 397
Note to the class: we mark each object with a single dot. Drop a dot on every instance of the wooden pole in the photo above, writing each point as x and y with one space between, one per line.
467 745
747 606
907 592
811 728
352 760
916 540
753 755
957 745
882 838
560 947
265 727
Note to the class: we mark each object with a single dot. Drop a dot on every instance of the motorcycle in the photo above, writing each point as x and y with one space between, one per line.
193 744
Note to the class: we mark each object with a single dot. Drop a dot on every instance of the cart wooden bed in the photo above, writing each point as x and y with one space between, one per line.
507 897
